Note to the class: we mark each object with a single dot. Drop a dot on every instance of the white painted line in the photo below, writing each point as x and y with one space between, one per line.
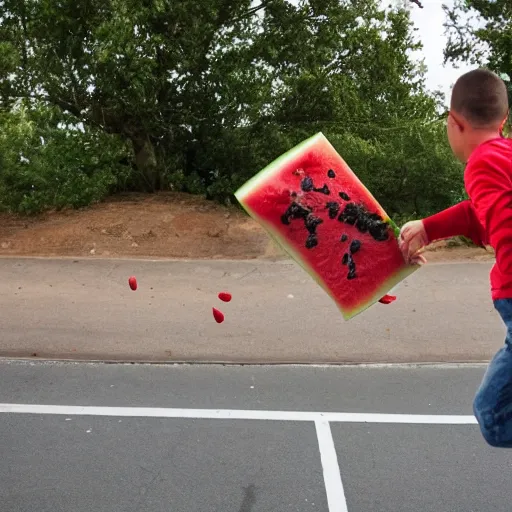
234 414
333 485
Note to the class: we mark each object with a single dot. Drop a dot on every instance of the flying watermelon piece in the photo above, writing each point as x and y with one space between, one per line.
317 209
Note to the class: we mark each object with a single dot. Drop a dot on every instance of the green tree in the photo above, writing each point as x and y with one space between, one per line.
207 93
145 70
47 161
368 96
480 33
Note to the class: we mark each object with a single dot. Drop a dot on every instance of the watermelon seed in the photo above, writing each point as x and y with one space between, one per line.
294 211
350 214
379 232
344 261
362 225
331 173
312 241
307 184
347 218
365 221
311 223
333 208
355 246
298 212
344 196
343 238
324 190
351 268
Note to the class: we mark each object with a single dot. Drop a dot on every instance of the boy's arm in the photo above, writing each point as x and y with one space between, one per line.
489 185
457 220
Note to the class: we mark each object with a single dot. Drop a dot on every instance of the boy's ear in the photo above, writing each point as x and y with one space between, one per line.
504 122
459 121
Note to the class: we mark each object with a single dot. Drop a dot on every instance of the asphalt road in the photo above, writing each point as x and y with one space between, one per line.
148 457
83 309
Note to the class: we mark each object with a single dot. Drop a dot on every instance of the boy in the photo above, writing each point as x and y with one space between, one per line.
478 111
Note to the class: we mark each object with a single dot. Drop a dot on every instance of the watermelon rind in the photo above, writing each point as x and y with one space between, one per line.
273 168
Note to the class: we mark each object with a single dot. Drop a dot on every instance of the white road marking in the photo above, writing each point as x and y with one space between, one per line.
333 485
241 414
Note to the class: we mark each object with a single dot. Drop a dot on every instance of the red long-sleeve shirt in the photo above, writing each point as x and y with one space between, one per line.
486 217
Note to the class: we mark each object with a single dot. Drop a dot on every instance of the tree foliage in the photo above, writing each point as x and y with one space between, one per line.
480 32
46 161
207 93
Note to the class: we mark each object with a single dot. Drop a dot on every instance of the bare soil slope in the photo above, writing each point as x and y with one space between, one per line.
168 225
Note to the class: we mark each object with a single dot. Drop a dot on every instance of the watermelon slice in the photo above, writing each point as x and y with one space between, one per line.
316 208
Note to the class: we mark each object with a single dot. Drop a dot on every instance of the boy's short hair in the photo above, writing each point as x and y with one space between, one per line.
481 97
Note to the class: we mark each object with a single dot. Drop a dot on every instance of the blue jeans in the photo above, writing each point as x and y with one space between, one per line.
492 405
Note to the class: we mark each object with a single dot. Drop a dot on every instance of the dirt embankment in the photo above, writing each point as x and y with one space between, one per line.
168 225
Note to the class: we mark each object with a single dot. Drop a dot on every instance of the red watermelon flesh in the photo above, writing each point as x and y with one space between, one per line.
316 208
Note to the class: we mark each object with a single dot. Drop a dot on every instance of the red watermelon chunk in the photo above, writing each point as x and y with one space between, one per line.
316 208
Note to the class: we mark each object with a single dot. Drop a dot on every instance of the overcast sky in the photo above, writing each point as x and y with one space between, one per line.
429 22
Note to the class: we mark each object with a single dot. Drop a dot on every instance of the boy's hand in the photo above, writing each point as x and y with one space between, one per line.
413 238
